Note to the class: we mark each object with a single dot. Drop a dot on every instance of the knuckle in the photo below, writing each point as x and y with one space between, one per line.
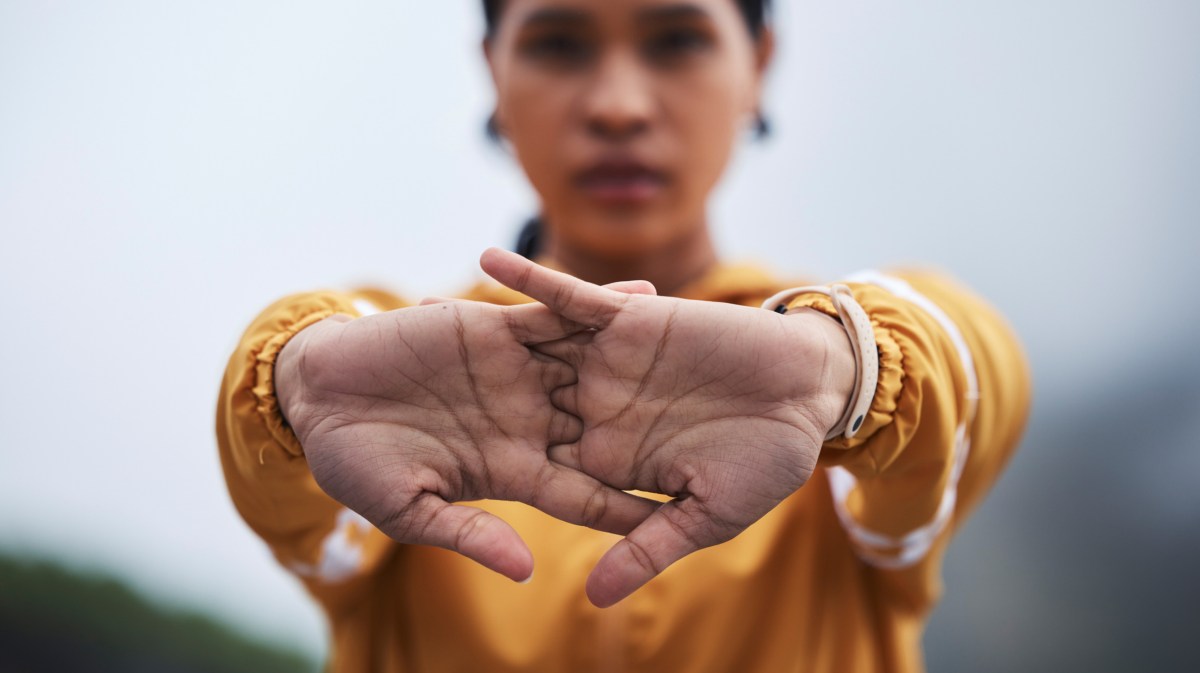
694 534
595 508
523 278
469 529
642 556
397 522
564 295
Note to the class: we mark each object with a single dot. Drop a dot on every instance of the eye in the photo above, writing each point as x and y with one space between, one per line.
677 43
557 48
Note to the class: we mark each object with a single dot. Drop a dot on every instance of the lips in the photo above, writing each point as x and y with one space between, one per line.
621 182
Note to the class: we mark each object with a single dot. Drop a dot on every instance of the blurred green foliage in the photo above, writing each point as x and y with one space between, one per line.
54 619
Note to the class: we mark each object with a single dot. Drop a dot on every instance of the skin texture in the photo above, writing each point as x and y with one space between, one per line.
403 413
723 407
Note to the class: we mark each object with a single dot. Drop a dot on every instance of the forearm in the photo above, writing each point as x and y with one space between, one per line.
265 471
924 449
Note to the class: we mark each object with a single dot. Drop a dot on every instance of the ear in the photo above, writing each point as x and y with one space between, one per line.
764 56
489 55
486 47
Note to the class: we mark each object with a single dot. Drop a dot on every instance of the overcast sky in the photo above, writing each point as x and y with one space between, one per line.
169 168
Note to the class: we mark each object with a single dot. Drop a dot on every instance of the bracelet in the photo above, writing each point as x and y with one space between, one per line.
862 341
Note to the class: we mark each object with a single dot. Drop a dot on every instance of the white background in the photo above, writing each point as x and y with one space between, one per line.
169 168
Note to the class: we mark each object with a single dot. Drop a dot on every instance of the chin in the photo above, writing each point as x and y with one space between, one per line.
623 232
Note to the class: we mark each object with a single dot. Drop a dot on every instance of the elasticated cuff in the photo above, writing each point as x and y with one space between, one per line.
891 371
264 384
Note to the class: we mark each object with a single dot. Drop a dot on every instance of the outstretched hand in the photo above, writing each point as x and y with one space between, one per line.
722 407
404 413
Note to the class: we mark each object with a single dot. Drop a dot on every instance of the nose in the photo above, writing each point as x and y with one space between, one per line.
619 103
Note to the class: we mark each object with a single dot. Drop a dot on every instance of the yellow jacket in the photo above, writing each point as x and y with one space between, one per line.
840 577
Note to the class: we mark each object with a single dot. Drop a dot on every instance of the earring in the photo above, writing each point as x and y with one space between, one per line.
492 129
762 126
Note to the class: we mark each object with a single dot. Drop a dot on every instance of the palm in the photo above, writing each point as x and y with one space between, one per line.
720 406
403 413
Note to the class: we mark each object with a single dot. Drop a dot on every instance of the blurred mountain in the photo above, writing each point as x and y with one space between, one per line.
55 620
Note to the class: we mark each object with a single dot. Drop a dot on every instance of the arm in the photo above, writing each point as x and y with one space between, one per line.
951 404
311 534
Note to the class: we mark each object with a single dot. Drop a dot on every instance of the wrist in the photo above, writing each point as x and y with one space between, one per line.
290 367
861 335
287 377
831 346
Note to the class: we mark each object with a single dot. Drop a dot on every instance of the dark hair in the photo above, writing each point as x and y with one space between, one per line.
754 11
529 240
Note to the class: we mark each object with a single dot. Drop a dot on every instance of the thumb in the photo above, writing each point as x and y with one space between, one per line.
474 533
675 530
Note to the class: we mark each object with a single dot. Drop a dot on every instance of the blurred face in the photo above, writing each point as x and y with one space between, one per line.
623 113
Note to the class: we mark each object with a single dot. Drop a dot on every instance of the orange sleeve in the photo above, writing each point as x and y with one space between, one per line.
949 409
328 546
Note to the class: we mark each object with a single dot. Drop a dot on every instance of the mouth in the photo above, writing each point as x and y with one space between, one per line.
621 182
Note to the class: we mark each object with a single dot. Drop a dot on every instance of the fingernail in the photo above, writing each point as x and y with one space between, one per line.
527 580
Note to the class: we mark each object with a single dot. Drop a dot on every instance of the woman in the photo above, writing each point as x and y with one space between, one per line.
817 457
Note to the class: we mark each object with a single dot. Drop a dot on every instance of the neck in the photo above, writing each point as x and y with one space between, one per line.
669 267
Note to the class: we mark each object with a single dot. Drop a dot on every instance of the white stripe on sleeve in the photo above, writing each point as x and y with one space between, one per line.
885 551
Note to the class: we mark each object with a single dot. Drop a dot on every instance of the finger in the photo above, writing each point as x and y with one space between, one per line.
633 287
474 533
567 455
564 429
430 301
577 498
566 399
554 372
677 529
569 350
534 324
570 297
